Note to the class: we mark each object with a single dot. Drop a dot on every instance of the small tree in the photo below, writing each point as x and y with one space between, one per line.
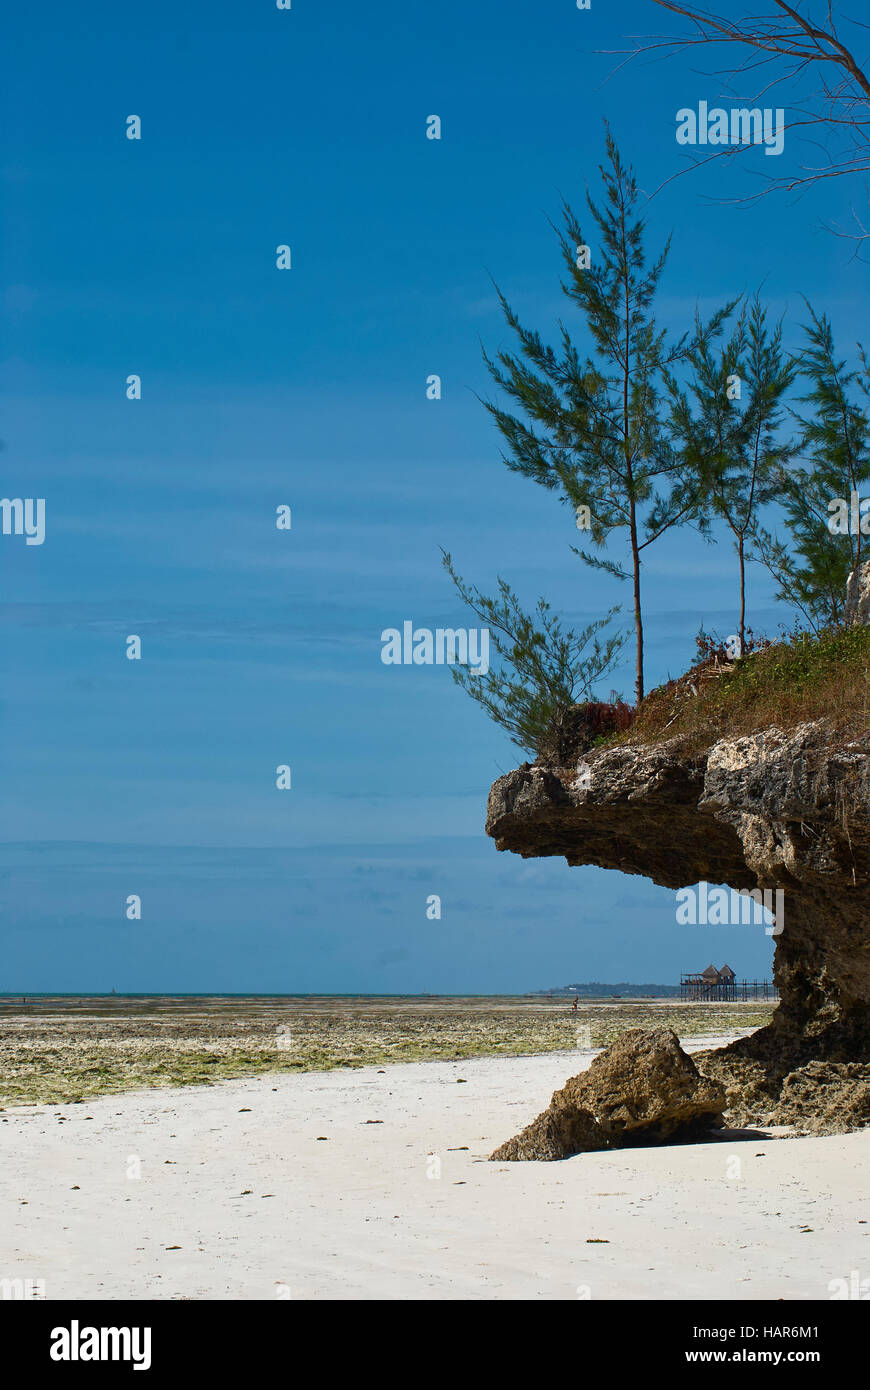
591 426
726 424
812 569
542 669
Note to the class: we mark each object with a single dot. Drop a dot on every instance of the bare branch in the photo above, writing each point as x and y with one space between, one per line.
787 44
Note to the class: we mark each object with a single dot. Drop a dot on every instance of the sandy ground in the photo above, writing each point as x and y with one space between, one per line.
260 1206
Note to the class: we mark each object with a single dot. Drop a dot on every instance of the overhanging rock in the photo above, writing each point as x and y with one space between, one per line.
773 810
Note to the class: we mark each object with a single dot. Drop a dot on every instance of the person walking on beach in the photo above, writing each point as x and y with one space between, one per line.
574 1005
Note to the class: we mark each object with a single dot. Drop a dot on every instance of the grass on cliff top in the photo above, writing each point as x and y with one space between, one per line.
800 679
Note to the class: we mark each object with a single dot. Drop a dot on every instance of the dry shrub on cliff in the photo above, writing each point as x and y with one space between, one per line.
803 678
574 729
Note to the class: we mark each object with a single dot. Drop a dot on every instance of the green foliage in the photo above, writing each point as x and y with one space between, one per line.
542 668
800 679
591 426
642 431
731 445
811 569
800 667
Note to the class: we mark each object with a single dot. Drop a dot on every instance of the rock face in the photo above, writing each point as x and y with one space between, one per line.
774 810
825 1098
642 1090
858 594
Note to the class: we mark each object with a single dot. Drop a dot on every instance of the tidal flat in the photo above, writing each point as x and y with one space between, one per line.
63 1049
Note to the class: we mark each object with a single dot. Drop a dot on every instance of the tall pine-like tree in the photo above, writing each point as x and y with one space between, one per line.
812 567
726 422
591 425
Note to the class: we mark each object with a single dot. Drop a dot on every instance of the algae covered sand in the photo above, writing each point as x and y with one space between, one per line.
62 1049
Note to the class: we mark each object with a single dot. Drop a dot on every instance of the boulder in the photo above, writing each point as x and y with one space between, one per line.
643 1089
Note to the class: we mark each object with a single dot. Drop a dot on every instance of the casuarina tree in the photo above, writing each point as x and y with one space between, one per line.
820 491
726 420
589 422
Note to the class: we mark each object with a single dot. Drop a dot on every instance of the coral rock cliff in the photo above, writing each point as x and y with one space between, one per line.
776 810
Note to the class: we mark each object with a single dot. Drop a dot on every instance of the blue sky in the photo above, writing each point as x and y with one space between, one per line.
307 387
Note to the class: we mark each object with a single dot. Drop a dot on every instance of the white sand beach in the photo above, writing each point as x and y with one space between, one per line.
322 1185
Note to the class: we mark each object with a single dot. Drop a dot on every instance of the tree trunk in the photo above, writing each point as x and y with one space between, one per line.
742 593
638 618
